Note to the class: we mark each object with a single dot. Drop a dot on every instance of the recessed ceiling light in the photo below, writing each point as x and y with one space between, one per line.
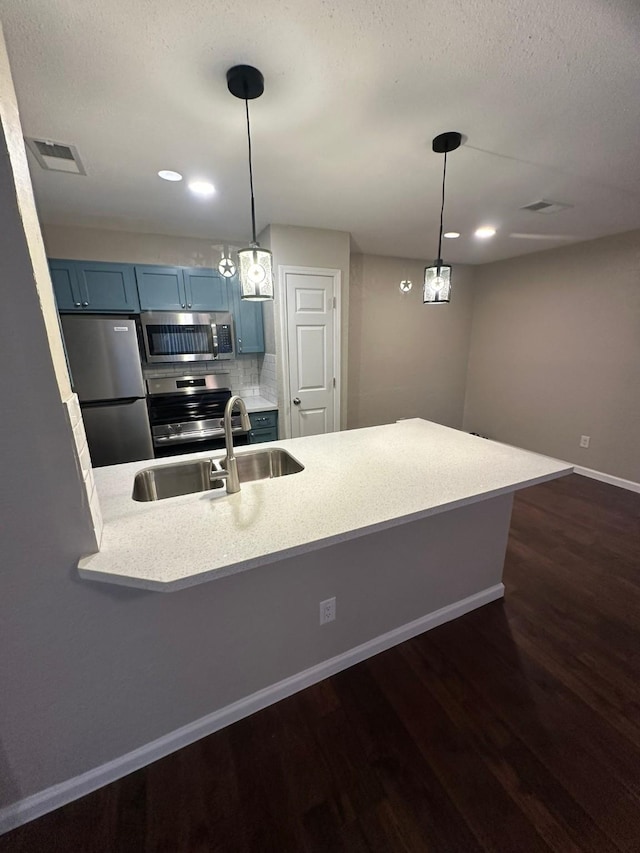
203 188
485 231
451 235
169 175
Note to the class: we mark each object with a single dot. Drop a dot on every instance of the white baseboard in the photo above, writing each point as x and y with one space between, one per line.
607 478
72 789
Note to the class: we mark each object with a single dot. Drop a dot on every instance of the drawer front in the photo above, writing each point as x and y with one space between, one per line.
256 436
264 420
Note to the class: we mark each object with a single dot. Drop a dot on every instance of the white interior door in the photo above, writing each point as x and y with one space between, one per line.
312 339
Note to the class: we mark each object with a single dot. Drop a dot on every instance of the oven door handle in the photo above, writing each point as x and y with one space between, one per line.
214 338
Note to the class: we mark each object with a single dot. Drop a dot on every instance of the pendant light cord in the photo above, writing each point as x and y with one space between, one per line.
444 177
253 203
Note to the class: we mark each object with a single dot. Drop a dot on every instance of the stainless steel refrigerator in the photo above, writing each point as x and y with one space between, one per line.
104 360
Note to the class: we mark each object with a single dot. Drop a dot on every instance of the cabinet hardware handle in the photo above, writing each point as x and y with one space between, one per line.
77 304
296 401
85 304
189 305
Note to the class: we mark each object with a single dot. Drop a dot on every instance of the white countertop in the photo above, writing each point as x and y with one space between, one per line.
355 482
259 404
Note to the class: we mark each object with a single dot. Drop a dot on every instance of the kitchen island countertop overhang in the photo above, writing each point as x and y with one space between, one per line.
354 483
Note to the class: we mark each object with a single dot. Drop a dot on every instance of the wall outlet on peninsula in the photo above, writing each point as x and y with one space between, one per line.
584 440
327 610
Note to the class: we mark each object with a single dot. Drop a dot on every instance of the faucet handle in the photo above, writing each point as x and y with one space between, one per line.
217 473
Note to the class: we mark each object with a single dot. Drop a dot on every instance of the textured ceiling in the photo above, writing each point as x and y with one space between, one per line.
545 92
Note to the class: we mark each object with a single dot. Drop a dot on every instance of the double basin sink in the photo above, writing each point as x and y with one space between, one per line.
185 478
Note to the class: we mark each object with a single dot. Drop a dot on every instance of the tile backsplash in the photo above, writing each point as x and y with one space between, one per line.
268 378
244 372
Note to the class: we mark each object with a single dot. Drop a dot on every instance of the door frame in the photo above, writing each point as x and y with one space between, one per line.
336 275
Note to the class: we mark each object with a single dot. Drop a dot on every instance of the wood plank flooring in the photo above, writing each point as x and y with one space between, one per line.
515 728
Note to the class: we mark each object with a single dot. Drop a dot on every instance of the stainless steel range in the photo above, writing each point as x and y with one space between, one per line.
186 413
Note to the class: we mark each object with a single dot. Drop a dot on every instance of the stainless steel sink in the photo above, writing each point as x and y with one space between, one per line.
185 478
169 481
264 464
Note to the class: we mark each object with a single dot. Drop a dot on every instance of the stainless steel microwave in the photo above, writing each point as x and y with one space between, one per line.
183 336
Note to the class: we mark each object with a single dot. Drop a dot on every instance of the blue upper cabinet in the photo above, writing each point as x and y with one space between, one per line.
205 290
65 285
248 320
94 287
181 289
108 287
161 289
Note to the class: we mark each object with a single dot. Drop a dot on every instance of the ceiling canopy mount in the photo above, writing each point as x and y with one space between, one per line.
245 82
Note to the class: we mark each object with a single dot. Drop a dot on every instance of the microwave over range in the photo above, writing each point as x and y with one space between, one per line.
181 336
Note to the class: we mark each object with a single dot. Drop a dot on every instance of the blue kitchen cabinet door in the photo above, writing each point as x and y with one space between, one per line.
206 290
65 285
264 427
248 321
161 288
259 436
264 420
107 287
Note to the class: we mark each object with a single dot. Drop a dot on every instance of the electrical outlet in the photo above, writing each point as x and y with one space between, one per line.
584 440
327 610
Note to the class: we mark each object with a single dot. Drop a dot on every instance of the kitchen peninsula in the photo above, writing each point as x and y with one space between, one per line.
431 499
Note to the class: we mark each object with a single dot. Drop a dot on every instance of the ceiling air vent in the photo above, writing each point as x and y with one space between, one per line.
56 156
543 206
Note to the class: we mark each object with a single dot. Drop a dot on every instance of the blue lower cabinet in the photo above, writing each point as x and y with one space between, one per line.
248 320
257 436
264 427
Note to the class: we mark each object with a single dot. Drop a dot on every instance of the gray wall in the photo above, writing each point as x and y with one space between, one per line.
406 359
555 353
45 522
100 244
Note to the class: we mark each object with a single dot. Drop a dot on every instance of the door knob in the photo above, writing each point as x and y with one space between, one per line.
296 401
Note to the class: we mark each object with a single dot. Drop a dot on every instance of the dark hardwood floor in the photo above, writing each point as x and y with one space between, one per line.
515 728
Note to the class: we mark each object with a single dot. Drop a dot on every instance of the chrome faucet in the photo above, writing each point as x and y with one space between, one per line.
232 481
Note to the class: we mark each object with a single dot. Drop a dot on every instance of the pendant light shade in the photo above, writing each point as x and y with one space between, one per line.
437 283
256 266
256 273
437 277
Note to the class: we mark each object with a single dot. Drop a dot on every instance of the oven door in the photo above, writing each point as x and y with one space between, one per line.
161 451
171 337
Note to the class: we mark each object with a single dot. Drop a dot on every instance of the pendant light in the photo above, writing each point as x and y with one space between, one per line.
256 267
437 277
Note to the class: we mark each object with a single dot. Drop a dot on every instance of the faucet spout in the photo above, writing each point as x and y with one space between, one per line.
233 482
